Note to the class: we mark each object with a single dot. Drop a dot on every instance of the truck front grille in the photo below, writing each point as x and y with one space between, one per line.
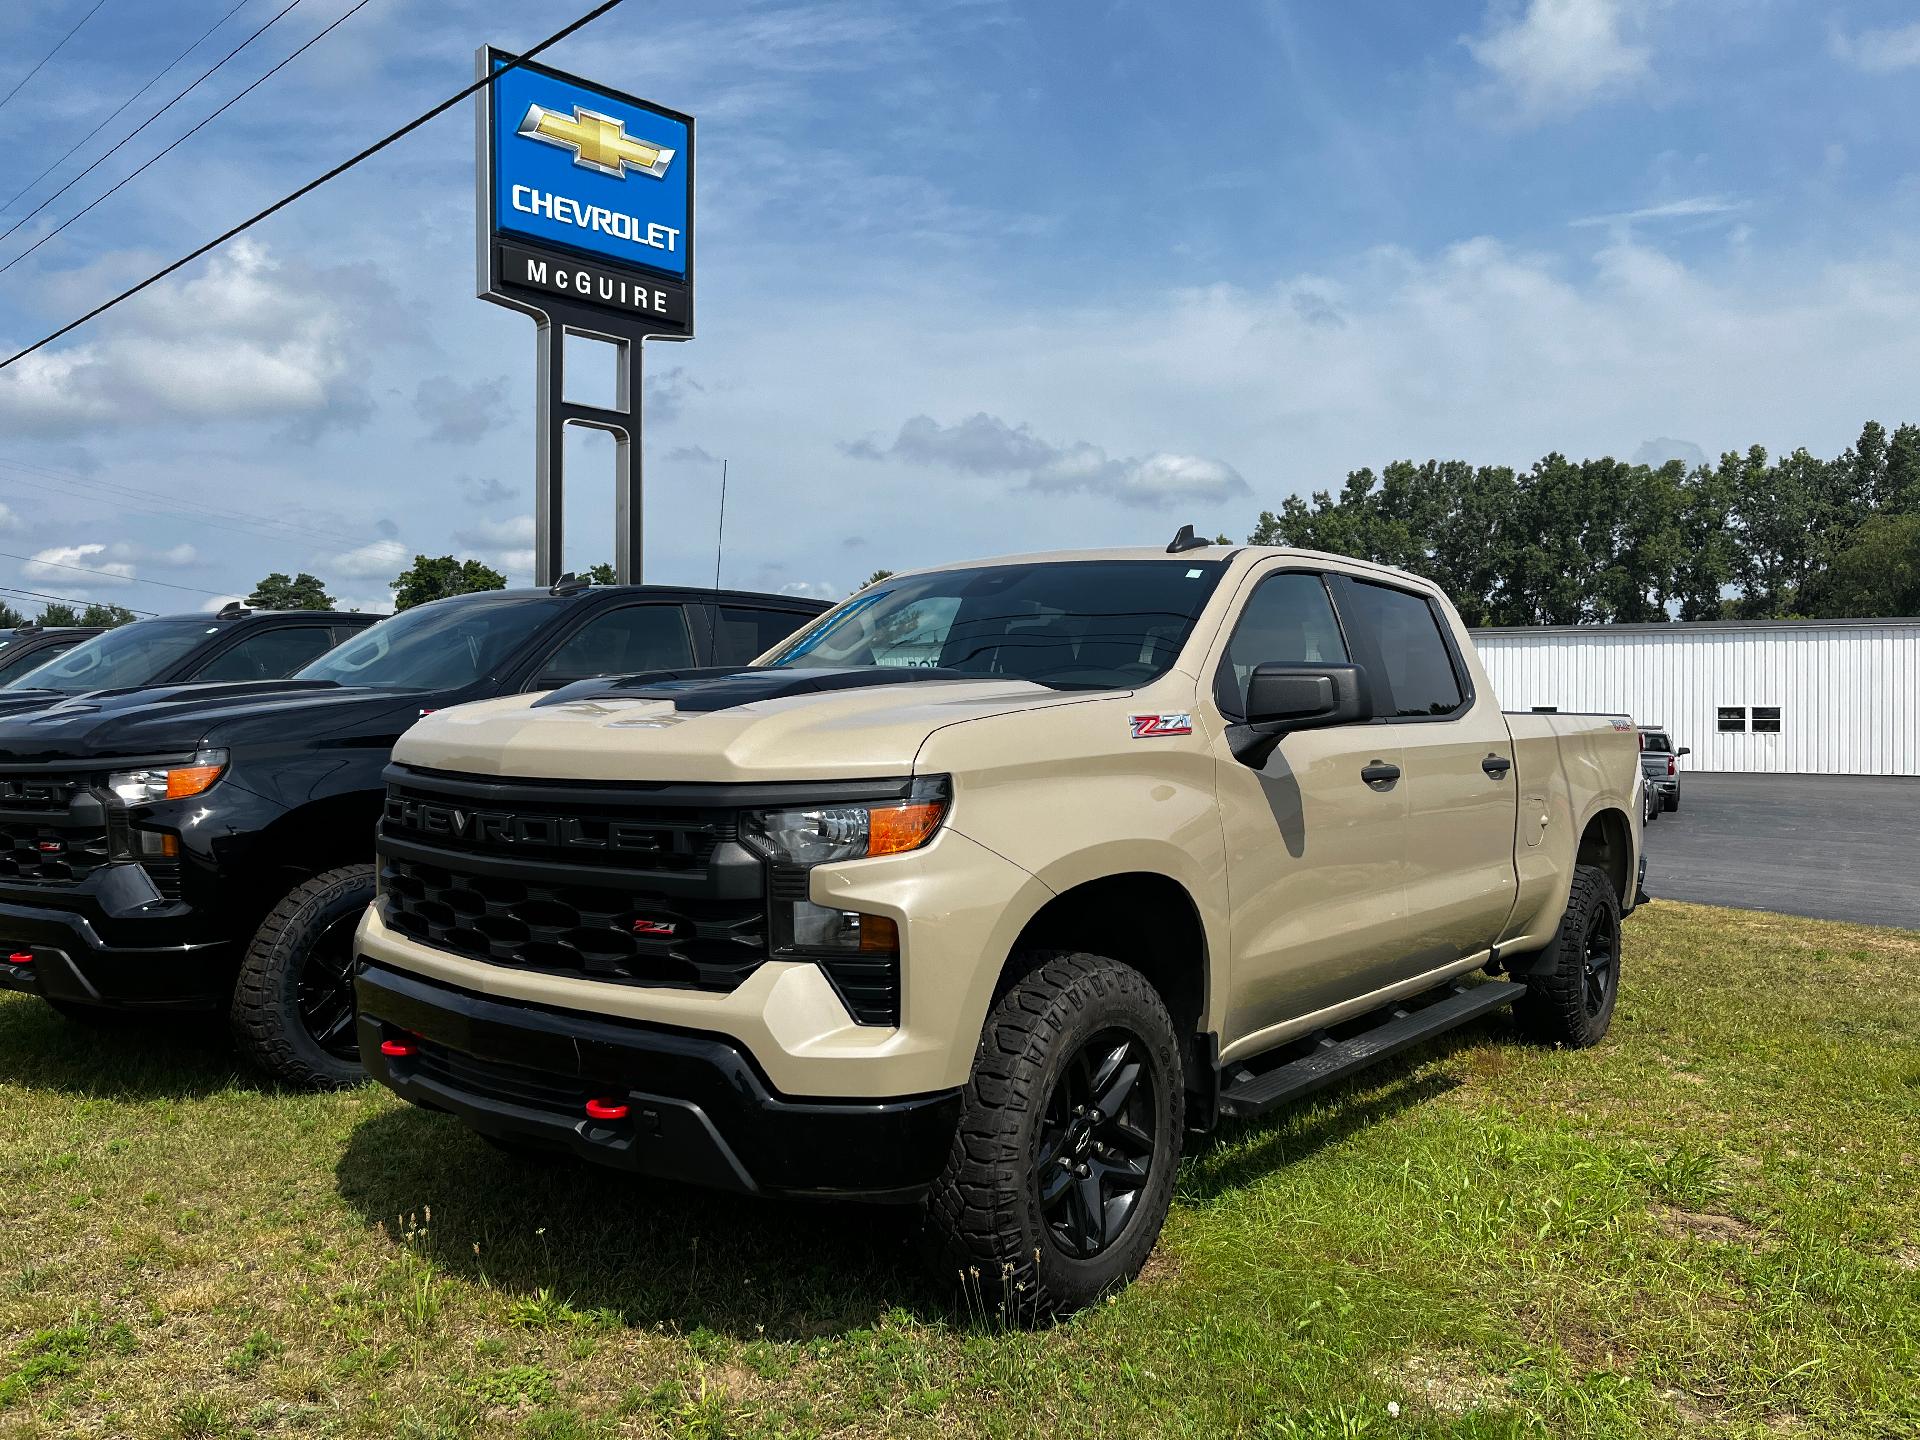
636 886
600 932
53 829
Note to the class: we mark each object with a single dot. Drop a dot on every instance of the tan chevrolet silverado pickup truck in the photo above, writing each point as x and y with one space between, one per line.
990 884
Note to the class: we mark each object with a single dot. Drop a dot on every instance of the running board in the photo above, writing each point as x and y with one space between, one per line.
1255 1093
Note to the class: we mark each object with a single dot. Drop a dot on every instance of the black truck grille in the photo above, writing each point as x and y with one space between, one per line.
576 930
53 830
595 883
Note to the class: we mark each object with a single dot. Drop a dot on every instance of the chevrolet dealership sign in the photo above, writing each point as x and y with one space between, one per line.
587 199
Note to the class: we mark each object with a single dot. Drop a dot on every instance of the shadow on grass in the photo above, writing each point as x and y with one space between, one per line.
656 1253
648 1251
179 1057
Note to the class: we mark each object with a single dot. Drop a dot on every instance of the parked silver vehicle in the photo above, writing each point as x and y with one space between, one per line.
1659 764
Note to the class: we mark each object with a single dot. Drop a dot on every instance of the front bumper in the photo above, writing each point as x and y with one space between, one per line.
168 966
697 1108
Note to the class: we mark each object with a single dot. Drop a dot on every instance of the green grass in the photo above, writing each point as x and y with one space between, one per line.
1707 1225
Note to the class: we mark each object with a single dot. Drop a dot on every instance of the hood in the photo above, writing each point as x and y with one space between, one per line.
720 726
179 719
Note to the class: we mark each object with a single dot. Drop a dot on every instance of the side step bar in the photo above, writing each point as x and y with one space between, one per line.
1253 1093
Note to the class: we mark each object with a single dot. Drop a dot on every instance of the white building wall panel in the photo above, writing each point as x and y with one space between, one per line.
1849 696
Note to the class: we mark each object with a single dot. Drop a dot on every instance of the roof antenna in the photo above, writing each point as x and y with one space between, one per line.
1186 540
721 538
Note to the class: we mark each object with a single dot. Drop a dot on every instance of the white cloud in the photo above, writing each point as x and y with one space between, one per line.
1880 52
1663 448
64 562
245 338
1557 56
376 560
1692 207
506 545
813 589
986 445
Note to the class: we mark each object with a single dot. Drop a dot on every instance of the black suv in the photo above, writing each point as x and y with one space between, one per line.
210 847
28 646
235 644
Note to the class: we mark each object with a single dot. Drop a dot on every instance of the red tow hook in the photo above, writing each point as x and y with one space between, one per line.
398 1049
20 957
598 1109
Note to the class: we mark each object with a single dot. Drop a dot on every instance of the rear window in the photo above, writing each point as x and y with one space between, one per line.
1419 666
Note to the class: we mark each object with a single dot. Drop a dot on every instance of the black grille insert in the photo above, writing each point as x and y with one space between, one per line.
53 829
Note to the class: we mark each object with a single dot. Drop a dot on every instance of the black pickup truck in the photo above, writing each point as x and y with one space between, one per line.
27 647
234 644
209 847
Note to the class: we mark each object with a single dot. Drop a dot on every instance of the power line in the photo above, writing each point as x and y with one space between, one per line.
181 140
66 599
315 184
131 498
50 54
158 75
109 574
99 160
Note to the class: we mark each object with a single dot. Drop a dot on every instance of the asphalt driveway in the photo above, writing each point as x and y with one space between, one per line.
1836 847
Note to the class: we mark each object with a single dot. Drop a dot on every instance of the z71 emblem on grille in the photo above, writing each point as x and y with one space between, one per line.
658 929
1153 727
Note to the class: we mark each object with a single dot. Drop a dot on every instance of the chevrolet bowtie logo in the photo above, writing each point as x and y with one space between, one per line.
598 142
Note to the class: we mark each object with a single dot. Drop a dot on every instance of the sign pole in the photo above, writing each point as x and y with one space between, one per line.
585 224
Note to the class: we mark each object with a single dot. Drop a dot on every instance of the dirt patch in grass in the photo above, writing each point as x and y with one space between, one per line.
1704 1225
1447 1381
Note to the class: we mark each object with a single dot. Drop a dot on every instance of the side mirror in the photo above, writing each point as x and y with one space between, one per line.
1285 698
1684 750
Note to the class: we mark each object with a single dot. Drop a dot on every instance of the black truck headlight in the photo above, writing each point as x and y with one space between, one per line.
169 782
824 834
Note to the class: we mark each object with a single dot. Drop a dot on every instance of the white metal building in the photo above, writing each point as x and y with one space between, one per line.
1820 697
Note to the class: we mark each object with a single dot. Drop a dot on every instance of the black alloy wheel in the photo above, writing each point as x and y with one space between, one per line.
1095 1145
325 992
1600 950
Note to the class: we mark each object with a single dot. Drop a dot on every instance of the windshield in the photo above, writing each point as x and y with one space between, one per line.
135 654
444 645
1069 625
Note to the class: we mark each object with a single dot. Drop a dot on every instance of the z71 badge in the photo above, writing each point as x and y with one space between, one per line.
1152 727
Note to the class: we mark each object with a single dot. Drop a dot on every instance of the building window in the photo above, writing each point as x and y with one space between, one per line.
1766 719
1733 719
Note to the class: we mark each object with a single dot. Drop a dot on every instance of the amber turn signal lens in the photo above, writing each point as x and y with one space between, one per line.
191 780
892 829
879 935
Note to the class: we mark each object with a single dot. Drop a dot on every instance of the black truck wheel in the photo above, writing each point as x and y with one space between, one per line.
293 1011
1062 1168
1574 982
1673 799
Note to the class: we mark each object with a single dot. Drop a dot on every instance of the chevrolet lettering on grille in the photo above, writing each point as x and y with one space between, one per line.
505 828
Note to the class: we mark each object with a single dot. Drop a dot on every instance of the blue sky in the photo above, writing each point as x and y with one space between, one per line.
974 277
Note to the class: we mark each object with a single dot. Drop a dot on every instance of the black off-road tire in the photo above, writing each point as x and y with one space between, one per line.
1672 800
1574 984
987 1205
267 1020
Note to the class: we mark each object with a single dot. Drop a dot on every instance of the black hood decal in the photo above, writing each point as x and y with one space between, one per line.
724 687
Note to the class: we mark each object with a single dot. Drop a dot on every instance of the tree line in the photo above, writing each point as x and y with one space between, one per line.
1603 541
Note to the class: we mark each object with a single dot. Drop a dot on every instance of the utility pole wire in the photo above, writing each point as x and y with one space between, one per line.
315 184
110 574
158 76
102 159
64 599
720 539
50 54
310 42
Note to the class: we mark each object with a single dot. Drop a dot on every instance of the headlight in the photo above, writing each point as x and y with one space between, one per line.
823 834
173 782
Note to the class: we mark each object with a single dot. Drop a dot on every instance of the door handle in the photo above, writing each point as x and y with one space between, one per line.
1496 765
1379 773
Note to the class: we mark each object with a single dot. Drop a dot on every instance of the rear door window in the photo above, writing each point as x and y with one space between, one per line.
742 634
625 641
1419 674
269 654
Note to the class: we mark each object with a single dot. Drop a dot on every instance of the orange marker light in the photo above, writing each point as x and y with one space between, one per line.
879 935
191 780
896 828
